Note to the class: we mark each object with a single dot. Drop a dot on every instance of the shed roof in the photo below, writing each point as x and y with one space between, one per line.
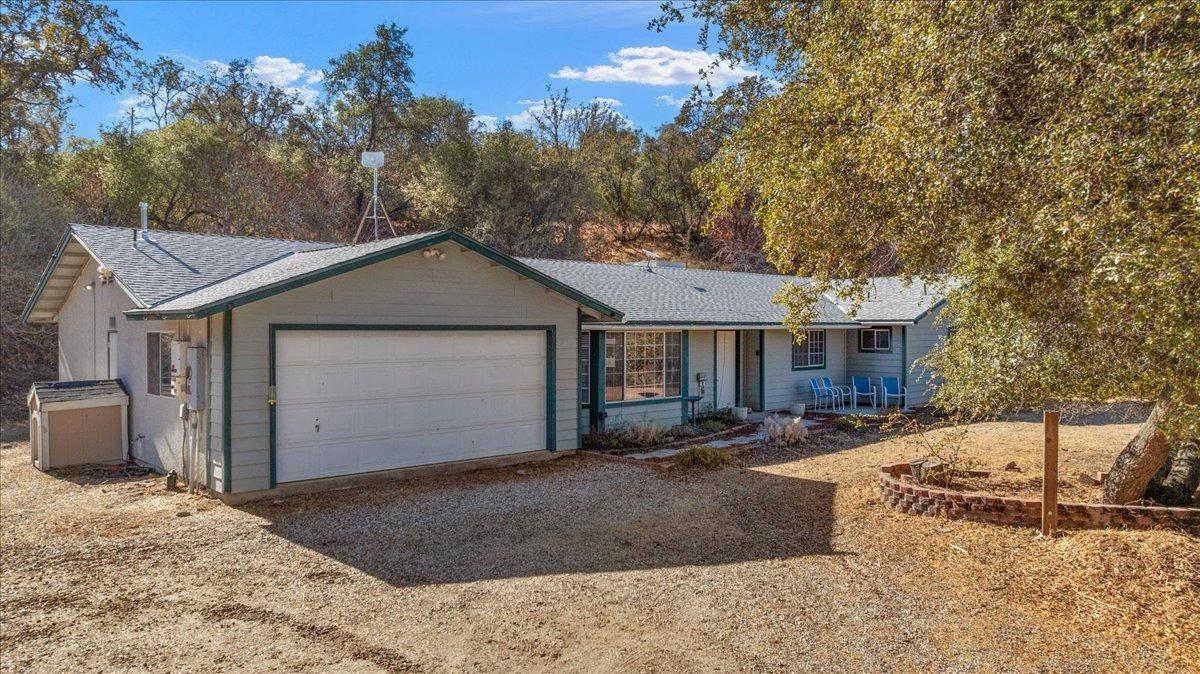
63 391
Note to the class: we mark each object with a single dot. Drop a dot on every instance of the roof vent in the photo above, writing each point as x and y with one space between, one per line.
145 232
660 264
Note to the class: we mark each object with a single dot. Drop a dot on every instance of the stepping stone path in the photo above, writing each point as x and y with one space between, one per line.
749 439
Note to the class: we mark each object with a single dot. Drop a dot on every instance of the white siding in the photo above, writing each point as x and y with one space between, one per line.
873 364
156 432
922 338
463 289
701 346
785 385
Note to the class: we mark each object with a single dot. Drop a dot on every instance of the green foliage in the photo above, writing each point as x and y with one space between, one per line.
46 47
1042 155
703 456
723 416
851 422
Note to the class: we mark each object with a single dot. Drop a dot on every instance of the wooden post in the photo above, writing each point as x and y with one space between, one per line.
1050 473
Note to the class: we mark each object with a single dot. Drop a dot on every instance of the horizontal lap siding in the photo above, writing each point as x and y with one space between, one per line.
786 386
922 338
873 364
668 413
463 289
700 359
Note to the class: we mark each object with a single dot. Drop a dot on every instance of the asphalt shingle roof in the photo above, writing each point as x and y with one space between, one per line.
280 271
174 263
61 391
180 272
676 295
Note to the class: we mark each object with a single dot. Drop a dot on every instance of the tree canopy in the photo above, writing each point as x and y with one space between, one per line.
1044 156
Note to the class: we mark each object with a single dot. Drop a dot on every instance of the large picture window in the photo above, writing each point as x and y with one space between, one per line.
158 363
875 339
642 365
810 354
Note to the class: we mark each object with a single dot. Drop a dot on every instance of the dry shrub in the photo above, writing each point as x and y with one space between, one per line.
703 456
784 432
644 434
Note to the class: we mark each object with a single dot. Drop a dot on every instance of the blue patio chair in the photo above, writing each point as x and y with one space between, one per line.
842 392
820 393
861 386
889 388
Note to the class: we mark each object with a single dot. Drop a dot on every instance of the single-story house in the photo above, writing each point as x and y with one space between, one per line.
255 364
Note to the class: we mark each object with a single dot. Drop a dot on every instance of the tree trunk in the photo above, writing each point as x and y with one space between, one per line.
1183 476
1140 460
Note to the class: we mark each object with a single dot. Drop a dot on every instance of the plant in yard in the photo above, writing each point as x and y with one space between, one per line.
940 449
682 431
703 456
718 420
644 434
851 422
1037 159
784 431
608 439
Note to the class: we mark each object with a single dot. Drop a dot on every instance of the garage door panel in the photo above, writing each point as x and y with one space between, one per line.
391 399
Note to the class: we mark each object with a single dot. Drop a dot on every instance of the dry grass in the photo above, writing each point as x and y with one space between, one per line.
1135 587
789 563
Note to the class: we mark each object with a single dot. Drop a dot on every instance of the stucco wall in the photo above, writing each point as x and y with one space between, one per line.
463 289
156 431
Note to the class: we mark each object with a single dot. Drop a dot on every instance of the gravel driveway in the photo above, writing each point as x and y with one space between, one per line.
575 564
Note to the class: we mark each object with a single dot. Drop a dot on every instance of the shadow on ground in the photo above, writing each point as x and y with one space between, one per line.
574 515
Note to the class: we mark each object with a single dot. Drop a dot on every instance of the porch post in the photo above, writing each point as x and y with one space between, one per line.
762 370
683 376
596 380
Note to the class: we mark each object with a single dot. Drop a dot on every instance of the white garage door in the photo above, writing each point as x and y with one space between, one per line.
366 400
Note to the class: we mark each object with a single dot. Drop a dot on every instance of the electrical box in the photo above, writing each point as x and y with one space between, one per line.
178 367
197 383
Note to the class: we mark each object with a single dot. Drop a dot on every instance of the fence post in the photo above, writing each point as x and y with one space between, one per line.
1050 473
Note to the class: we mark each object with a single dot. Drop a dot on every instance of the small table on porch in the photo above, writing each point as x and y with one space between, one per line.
693 400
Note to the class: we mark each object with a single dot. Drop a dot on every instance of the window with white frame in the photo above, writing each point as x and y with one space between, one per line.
158 363
875 339
642 365
810 354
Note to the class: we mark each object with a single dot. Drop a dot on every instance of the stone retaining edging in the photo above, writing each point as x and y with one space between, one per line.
918 499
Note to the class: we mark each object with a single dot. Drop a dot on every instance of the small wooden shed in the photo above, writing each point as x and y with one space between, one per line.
74 422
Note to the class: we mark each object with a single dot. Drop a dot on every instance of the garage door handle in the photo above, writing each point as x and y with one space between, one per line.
318 426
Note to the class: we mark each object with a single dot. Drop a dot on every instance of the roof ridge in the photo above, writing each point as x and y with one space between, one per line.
331 244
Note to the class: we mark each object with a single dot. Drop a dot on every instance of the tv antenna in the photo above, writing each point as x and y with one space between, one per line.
376 211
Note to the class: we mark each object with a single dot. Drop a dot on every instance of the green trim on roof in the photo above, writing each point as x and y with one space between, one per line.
379 256
46 273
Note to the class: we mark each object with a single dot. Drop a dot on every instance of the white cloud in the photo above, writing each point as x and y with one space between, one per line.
277 70
525 119
658 66
486 122
668 99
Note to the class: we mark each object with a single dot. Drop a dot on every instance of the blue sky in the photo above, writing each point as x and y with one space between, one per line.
497 57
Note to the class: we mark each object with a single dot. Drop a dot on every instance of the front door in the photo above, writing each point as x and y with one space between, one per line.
726 374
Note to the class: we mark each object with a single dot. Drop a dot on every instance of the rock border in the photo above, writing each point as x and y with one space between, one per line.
918 499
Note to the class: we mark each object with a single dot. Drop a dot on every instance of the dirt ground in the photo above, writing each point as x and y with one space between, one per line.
785 563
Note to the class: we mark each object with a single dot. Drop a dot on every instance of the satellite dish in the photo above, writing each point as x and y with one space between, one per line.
372 160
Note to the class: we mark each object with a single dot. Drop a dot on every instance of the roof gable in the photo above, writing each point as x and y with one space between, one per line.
305 267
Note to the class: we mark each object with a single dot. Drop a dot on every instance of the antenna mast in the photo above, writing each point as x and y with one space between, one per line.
376 211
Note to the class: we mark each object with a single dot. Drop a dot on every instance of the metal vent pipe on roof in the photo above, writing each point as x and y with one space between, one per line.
142 206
